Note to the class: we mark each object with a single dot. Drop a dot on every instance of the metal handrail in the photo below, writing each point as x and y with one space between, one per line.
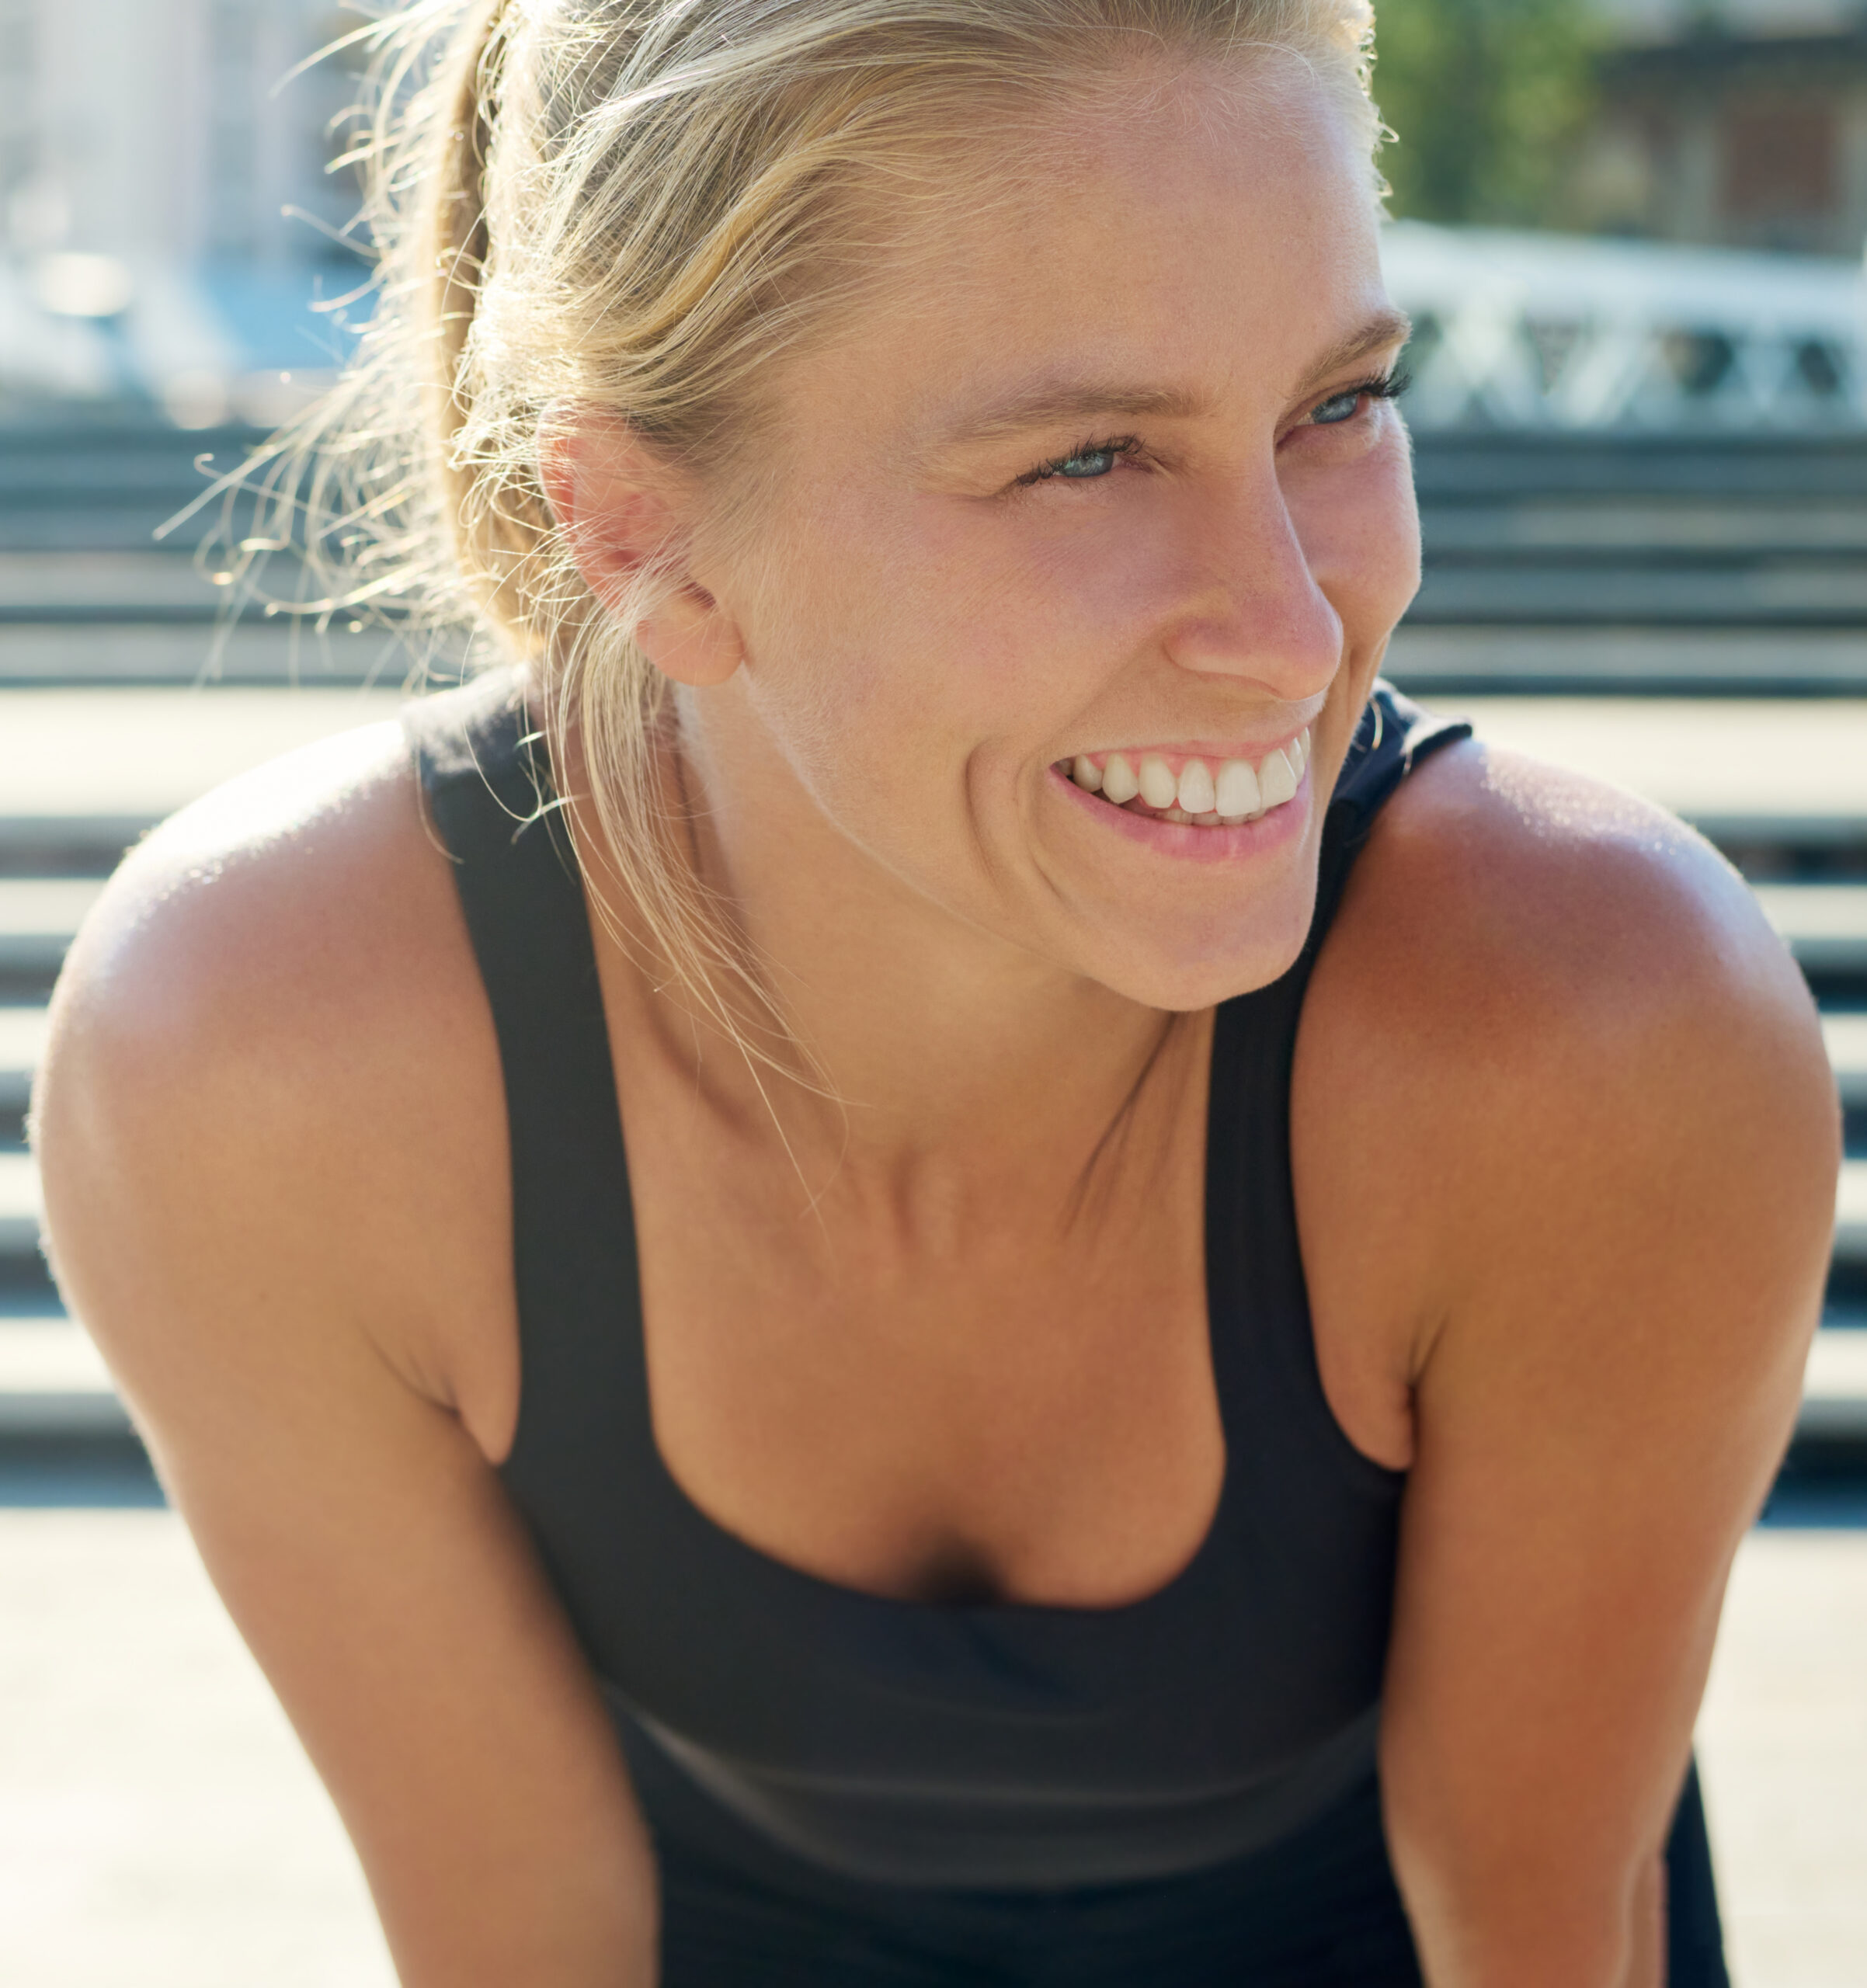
1550 331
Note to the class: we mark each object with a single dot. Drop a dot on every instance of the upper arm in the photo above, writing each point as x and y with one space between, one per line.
231 1127
1615 1231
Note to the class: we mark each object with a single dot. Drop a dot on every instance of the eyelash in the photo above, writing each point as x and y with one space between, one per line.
1119 445
1388 386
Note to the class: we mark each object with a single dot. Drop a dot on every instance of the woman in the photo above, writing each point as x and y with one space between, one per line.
1208 1276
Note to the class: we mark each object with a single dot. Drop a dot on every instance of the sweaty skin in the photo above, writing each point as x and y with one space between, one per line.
1102 469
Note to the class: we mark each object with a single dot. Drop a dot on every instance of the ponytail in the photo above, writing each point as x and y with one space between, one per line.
453 243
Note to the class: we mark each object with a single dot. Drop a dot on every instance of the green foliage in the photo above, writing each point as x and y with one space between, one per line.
1488 98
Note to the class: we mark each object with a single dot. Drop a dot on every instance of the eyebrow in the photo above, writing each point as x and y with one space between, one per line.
1385 329
1047 403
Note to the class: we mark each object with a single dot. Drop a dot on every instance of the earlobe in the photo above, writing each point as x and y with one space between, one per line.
690 639
623 529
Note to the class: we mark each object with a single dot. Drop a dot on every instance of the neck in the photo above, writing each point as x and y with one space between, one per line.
941 1063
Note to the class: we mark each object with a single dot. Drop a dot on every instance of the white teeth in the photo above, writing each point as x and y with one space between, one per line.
1118 782
1237 792
1179 817
1277 781
1196 795
1159 788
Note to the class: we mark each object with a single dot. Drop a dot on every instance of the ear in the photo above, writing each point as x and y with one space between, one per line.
626 512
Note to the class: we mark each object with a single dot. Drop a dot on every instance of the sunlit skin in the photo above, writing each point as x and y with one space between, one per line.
1217 573
1104 466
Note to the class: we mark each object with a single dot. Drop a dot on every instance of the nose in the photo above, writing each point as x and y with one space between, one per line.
1250 606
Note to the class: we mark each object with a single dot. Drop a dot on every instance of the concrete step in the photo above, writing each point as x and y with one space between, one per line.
1505 467
1834 1392
1851 1214
52 654
103 586
54 1382
1626 529
1471 651
38 917
1501 653
1475 650
1837 1361
1846 1036
19 1208
23 1027
1779 592
1743 770
1743 545
95 760
23 1033
1824 924
96 767
19 1204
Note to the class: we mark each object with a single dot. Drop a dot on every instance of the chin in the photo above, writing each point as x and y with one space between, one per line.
1186 967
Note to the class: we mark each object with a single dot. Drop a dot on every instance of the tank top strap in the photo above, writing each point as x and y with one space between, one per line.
1271 1389
1395 736
487 790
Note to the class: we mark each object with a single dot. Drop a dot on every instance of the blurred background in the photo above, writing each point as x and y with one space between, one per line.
1631 233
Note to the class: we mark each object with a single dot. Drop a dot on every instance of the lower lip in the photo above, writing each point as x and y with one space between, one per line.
1187 843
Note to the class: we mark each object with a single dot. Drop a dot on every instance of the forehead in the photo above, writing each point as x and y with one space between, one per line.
1194 234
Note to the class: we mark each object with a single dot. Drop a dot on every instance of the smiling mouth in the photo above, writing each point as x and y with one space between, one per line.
1191 792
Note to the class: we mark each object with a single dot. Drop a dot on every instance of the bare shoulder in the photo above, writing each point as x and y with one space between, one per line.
270 1037
1552 1022
1518 930
1548 912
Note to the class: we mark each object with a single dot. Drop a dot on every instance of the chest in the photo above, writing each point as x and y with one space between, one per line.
1004 1421
1014 1398
1021 1401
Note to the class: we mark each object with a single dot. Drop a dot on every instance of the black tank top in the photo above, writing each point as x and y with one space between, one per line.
1000 1747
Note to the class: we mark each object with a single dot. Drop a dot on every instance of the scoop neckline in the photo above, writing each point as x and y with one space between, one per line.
835 1594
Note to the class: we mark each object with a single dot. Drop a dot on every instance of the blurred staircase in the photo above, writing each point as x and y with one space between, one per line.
1663 565
1687 618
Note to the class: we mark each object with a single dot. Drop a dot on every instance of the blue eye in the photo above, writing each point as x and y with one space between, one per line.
1083 465
1344 407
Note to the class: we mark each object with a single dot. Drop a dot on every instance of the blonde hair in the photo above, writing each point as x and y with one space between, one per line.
638 205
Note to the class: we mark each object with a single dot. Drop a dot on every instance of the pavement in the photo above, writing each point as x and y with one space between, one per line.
160 1827
1783 1747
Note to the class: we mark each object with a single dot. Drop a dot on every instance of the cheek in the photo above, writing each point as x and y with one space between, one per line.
923 624
898 673
1359 528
